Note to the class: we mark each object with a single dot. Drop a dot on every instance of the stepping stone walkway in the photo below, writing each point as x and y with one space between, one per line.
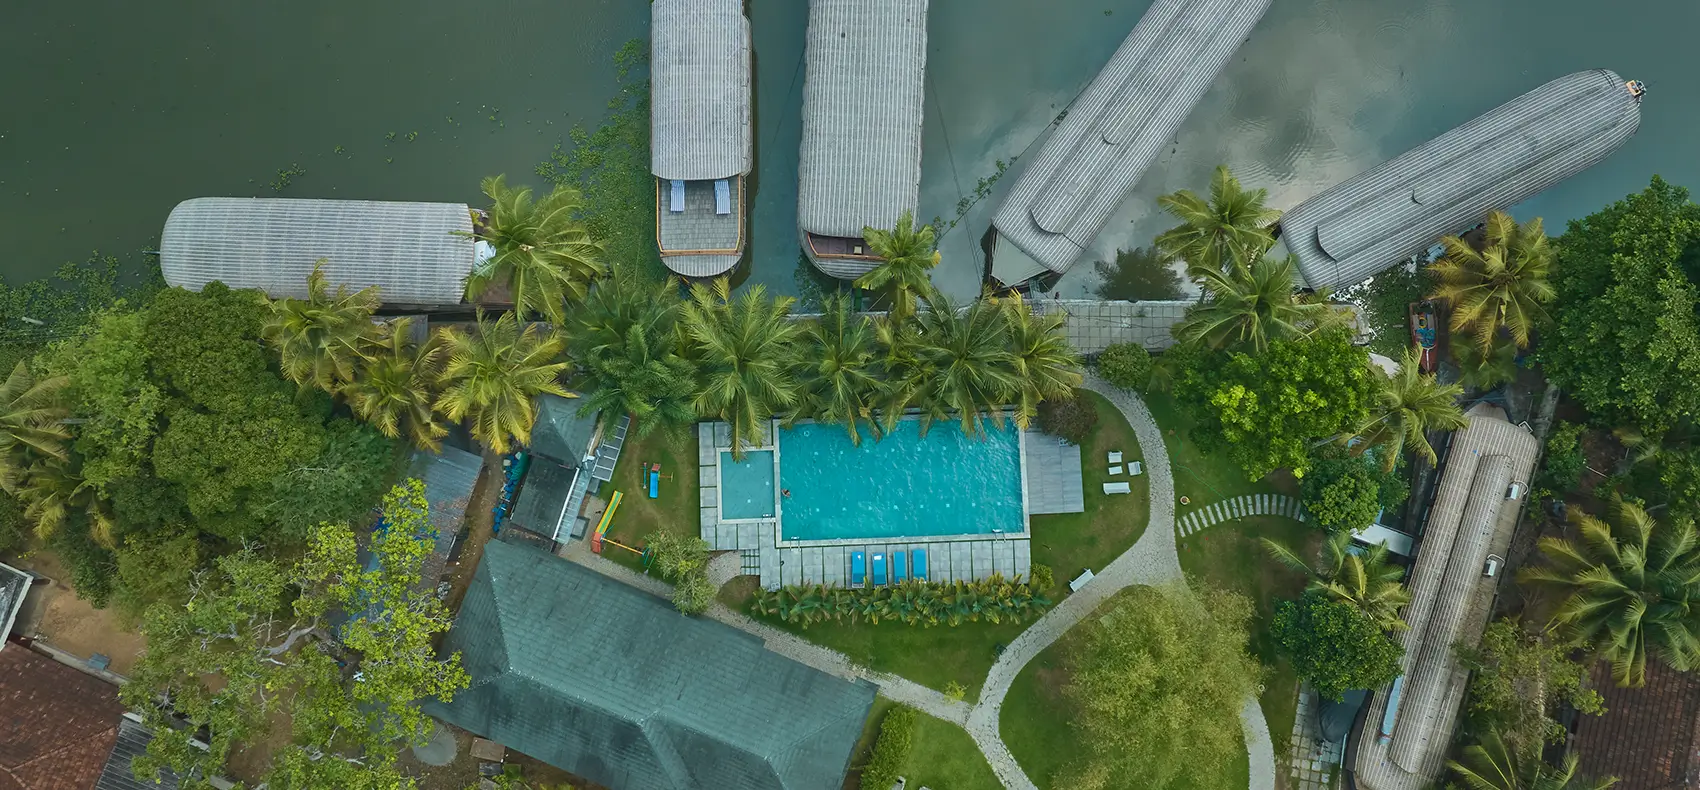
1238 507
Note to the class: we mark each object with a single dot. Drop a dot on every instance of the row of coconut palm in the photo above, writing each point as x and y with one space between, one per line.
35 458
912 602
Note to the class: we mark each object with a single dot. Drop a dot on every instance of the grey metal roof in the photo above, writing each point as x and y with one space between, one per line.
717 238
1450 600
560 432
699 88
1119 125
543 498
860 160
14 585
1378 219
409 250
610 683
132 742
449 477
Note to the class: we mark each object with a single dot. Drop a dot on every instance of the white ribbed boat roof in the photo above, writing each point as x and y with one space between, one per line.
1120 124
1375 220
699 83
1450 600
860 159
409 250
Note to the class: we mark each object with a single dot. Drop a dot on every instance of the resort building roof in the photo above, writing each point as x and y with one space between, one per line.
860 159
412 251
63 729
560 432
700 132
1377 219
1647 736
1403 742
1114 131
14 585
610 683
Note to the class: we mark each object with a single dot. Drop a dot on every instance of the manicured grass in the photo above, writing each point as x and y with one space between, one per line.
1230 556
941 755
675 510
1072 542
1205 478
1035 721
932 657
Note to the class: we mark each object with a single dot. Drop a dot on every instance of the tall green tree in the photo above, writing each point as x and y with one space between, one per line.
1630 588
1334 645
1137 275
1047 368
745 349
1493 764
321 340
627 348
54 493
1406 406
31 424
1518 680
1625 335
1485 370
545 255
113 401
837 368
1229 229
973 373
492 375
1365 580
1503 285
394 390
908 256
1249 306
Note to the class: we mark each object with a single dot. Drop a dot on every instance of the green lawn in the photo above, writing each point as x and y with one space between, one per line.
675 510
1230 556
1205 478
1072 542
941 755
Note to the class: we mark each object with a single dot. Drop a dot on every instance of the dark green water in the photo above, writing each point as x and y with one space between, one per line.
115 111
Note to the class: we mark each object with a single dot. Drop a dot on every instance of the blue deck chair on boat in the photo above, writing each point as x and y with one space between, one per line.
899 567
879 570
920 560
722 196
676 204
858 568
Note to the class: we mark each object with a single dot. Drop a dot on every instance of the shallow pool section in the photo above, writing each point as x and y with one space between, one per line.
746 487
904 485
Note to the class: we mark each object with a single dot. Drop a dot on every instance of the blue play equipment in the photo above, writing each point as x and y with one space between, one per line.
899 567
920 560
879 570
654 483
858 568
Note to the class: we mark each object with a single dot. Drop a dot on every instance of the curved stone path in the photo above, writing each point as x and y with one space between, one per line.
1239 507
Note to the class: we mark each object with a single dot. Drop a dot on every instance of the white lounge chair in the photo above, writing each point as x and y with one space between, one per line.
677 201
1135 469
722 196
1116 457
1115 470
1117 488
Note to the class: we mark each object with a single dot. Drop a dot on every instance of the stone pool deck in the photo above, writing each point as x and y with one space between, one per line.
828 562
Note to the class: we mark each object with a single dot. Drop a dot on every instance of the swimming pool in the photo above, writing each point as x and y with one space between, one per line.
746 486
904 485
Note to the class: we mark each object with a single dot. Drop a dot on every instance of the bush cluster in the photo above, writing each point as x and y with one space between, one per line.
891 749
1126 365
913 602
1562 470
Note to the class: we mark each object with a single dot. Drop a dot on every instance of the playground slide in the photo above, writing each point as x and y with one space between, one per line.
858 568
879 570
602 526
654 484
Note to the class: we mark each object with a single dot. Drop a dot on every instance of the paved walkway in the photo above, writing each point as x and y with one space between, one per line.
1239 507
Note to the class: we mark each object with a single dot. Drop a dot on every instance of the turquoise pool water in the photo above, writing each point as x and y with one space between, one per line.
747 485
901 486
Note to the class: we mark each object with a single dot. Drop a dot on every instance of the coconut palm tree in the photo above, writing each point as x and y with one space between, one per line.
1494 765
493 374
744 349
1631 588
627 348
837 368
1503 284
1484 371
1406 407
395 388
1231 228
1249 306
320 340
52 491
1368 581
903 374
1046 366
966 355
544 251
31 426
907 259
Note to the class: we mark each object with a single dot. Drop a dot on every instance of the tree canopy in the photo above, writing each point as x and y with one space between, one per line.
1334 645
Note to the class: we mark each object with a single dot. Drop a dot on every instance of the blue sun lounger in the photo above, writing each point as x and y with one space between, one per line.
858 568
879 570
899 567
920 560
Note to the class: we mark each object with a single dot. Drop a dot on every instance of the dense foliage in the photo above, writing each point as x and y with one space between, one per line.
1563 462
1495 764
1342 491
1364 578
1499 286
1137 275
1073 420
912 602
1264 411
891 749
1519 680
684 562
1384 305
1625 339
1334 645
1126 365
1157 683
907 256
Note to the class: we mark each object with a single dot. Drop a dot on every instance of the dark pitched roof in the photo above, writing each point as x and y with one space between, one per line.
610 683
560 432
14 585
57 725
449 477
132 743
1650 736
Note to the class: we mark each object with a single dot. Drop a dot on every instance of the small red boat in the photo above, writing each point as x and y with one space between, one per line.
1423 334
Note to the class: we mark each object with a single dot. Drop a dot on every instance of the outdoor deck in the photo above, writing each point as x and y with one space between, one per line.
699 242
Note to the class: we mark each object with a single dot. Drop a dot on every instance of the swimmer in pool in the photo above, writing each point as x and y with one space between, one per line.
785 493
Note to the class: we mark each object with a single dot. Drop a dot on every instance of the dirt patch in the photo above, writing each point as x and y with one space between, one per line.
739 593
53 614
479 519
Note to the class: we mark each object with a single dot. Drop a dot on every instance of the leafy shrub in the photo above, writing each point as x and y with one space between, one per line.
1562 469
676 557
693 593
1341 494
1041 578
92 567
1126 365
1334 645
955 690
913 602
1073 420
891 749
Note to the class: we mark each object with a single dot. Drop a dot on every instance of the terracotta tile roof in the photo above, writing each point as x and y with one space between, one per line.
57 725
1650 736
